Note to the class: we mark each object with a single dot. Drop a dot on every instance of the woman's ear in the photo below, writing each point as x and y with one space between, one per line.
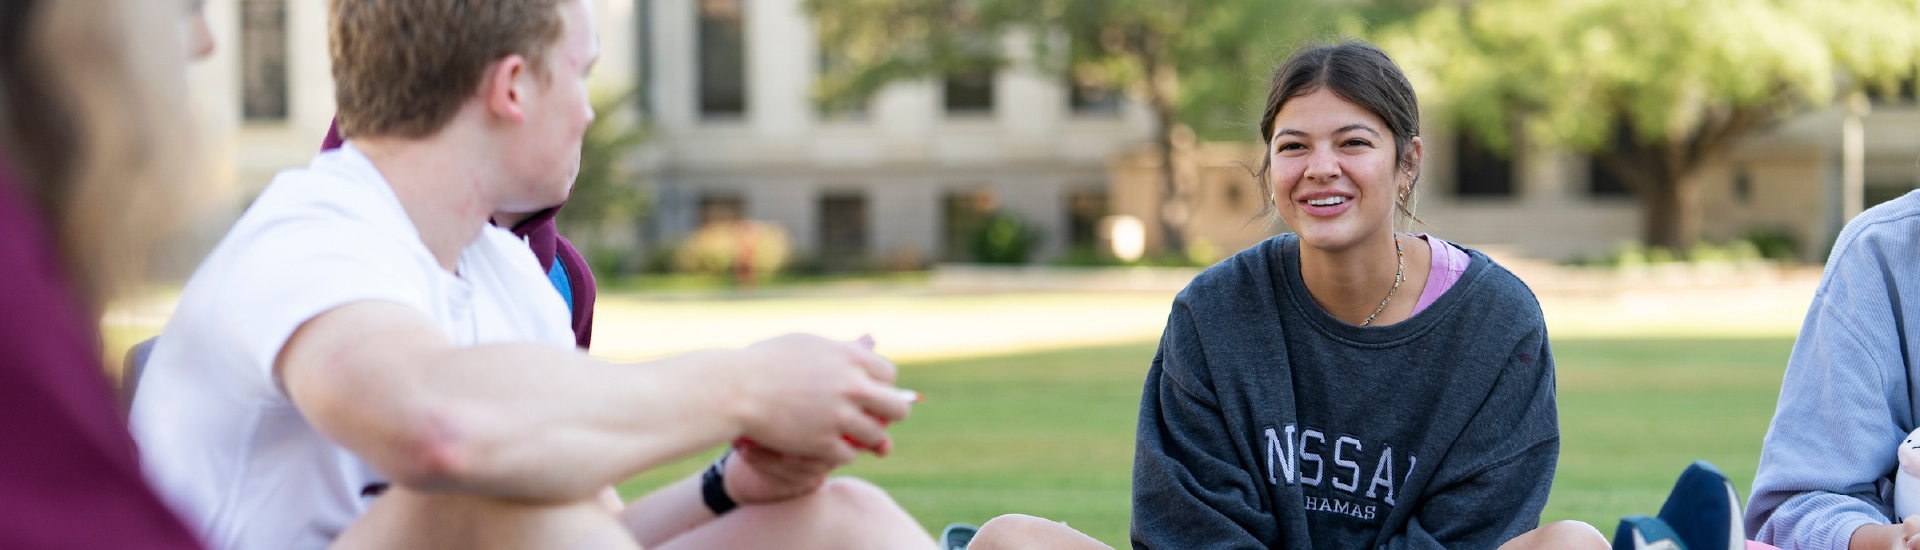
1416 150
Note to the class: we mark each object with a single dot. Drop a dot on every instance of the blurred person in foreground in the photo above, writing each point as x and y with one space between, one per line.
364 362
92 103
1849 396
1347 385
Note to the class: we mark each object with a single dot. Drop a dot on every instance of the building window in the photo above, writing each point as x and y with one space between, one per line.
966 213
1742 185
263 60
970 91
843 231
1907 92
722 209
1480 171
723 59
1603 182
1084 210
1092 98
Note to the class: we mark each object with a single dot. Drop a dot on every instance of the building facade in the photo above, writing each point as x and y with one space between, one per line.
725 88
1785 182
899 182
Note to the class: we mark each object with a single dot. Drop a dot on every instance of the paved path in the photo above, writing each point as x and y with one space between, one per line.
905 327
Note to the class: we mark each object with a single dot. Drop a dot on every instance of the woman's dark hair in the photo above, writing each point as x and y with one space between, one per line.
1359 73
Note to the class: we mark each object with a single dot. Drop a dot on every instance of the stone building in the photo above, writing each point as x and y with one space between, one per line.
725 86
1784 182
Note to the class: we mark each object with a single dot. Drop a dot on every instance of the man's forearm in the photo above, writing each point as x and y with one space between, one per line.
548 423
523 421
555 424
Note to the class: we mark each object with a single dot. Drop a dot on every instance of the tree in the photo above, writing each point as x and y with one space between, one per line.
1202 64
604 190
1654 90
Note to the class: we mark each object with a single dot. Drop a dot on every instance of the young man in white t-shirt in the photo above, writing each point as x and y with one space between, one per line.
363 362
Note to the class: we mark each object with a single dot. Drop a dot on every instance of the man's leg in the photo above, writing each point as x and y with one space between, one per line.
845 513
1020 532
407 520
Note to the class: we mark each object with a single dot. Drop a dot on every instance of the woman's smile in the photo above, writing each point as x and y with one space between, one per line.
1325 203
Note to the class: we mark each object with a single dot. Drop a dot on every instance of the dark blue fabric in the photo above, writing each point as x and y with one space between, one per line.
1703 509
1266 422
1649 530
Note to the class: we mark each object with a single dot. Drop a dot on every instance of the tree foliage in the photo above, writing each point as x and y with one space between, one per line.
604 189
1203 64
1205 51
1653 89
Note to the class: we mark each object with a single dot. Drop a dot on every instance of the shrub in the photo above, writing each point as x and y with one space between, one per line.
1775 244
1005 239
751 251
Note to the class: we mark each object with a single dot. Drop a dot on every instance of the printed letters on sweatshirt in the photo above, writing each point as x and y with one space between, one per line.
1302 456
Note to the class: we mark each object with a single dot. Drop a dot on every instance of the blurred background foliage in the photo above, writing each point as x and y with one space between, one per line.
606 190
1199 64
748 251
1653 89
1005 239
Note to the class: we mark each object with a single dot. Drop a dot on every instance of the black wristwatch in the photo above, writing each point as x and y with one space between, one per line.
713 486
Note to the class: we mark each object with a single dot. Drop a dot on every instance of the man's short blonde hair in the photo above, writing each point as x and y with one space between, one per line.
403 67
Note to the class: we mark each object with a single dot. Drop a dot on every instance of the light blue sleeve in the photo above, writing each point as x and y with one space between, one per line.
1845 403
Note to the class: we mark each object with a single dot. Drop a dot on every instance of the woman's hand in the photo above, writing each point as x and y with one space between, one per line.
758 475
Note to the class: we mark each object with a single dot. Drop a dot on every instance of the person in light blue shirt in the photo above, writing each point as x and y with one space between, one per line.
1848 397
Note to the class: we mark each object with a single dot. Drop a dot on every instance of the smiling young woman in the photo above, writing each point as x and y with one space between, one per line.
1346 385
1337 174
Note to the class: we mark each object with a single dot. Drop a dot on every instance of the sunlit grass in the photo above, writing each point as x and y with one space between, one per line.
1051 434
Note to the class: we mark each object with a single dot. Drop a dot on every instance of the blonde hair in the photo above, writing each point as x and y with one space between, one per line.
95 118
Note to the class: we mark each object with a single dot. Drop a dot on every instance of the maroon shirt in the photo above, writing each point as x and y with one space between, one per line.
69 474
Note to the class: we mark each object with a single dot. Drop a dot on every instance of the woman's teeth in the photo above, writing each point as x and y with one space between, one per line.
1329 201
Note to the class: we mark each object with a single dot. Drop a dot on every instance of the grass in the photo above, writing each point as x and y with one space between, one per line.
1051 433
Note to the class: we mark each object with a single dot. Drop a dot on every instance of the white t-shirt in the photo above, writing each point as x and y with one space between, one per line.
219 437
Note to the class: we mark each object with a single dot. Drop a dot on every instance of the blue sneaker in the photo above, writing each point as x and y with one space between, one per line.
1704 510
957 536
1644 533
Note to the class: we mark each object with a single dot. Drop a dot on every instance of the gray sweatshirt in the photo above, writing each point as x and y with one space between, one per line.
1268 423
1849 393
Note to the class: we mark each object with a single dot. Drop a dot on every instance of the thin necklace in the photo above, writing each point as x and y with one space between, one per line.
1398 275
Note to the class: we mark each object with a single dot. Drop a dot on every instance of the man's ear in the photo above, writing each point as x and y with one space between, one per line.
503 90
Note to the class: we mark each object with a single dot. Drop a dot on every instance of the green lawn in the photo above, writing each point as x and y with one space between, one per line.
1051 434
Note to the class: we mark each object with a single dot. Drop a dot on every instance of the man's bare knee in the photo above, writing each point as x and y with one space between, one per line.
1020 531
